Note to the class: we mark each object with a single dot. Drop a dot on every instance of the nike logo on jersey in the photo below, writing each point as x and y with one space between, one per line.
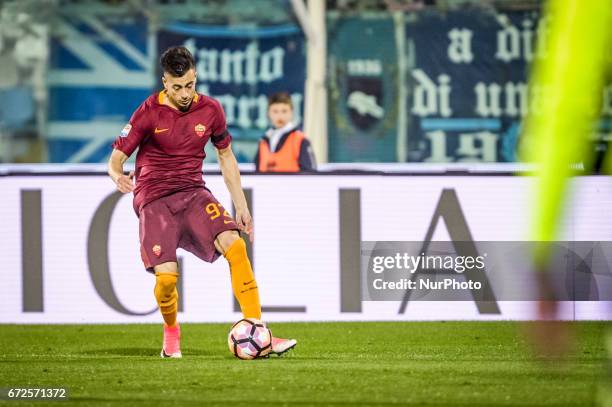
159 130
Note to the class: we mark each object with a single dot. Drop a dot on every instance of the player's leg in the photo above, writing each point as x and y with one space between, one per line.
166 294
212 232
158 243
244 285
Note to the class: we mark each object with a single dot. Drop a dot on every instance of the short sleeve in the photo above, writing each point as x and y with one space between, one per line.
133 133
220 136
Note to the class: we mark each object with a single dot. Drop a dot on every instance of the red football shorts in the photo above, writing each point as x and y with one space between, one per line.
190 220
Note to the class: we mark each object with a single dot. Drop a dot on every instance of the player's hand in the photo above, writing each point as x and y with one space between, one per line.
245 222
125 183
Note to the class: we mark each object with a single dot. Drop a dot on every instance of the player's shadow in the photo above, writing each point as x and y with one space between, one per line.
134 351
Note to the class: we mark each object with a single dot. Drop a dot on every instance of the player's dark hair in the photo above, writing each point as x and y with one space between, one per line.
280 97
177 61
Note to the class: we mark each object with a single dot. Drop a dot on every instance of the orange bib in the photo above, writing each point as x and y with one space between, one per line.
284 160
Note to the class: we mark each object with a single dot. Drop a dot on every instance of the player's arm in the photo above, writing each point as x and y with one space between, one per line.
125 144
231 176
115 170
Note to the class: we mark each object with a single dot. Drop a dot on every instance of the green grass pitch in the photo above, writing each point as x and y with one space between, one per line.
367 363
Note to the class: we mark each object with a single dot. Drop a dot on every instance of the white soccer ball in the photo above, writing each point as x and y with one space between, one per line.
249 339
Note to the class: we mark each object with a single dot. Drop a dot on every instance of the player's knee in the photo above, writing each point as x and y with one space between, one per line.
236 254
226 239
164 286
169 267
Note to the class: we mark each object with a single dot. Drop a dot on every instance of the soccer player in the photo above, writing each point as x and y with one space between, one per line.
174 207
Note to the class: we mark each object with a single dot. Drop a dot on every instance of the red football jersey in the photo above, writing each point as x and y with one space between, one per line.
171 145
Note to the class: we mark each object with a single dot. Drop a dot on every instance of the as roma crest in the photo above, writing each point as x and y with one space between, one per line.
157 250
200 129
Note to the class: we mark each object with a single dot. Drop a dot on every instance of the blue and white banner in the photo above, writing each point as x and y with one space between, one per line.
241 67
100 71
468 84
102 68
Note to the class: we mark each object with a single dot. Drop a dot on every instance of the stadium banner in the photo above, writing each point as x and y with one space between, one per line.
71 253
363 89
468 83
100 70
241 67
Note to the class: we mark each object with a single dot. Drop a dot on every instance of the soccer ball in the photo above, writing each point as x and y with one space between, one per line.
249 339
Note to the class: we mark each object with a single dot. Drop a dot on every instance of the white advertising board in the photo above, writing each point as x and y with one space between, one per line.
88 269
